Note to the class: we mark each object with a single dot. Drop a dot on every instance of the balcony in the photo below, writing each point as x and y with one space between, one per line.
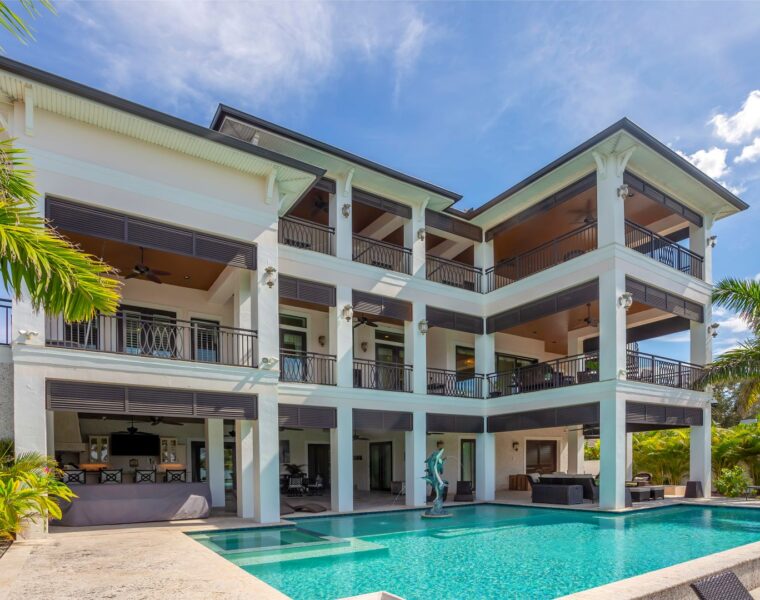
663 250
300 233
562 372
382 254
453 273
374 375
5 322
307 367
442 382
165 338
559 250
649 368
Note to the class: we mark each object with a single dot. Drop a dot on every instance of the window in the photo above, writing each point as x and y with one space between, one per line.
293 321
509 362
465 360
205 340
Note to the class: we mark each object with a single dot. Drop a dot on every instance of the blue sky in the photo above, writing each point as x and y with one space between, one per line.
470 96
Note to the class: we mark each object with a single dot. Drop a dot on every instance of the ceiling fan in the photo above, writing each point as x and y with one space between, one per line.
360 438
291 429
320 205
364 321
143 271
585 215
132 430
162 421
589 320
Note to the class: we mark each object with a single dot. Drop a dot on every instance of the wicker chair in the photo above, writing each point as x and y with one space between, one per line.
722 586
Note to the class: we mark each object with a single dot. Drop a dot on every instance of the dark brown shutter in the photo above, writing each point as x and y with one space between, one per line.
106 224
380 306
659 416
448 319
549 305
454 226
383 204
580 414
443 423
657 298
307 291
326 185
156 402
653 193
382 420
314 417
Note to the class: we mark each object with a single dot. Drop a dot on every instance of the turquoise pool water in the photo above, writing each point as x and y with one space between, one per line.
484 551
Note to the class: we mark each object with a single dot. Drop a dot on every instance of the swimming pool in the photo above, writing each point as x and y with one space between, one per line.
484 551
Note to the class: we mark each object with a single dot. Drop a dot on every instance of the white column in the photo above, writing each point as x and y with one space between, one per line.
244 315
267 303
484 259
215 460
575 445
610 208
266 460
342 462
341 336
485 467
700 463
700 338
628 456
343 224
698 242
244 467
485 356
612 451
415 348
417 245
415 448
612 322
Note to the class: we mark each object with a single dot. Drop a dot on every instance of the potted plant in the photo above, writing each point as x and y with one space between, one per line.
591 373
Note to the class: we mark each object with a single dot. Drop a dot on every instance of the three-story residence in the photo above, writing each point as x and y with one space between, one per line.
286 302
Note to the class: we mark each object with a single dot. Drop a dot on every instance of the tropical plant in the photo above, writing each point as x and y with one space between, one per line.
29 489
664 454
15 24
740 365
731 482
592 450
293 469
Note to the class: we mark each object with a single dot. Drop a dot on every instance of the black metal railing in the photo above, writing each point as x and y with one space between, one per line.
158 337
382 254
300 233
663 250
456 274
5 322
566 247
649 368
307 367
442 382
561 372
374 375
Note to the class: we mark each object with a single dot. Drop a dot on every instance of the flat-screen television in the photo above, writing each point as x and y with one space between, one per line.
135 444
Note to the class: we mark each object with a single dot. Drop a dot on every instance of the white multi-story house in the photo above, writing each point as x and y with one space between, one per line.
288 302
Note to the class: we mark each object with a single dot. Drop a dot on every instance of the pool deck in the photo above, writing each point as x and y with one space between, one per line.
157 561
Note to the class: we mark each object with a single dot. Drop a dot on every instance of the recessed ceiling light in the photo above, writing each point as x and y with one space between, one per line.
187 276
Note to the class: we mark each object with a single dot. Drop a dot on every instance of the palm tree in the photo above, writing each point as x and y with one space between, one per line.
14 24
740 365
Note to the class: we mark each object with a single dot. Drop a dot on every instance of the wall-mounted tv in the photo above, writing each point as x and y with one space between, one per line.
135 444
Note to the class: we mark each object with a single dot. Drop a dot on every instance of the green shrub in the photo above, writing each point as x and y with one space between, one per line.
732 482
591 450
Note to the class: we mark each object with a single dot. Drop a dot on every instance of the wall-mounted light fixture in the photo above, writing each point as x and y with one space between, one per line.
270 276
345 210
622 191
322 340
268 362
712 240
28 334
421 234
423 326
347 312
626 300
712 329
364 346
515 446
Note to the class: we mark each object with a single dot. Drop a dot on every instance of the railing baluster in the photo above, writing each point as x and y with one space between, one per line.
308 235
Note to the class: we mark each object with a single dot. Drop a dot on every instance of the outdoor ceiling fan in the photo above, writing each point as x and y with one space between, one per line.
360 438
585 215
320 205
132 430
162 421
589 320
143 271
364 321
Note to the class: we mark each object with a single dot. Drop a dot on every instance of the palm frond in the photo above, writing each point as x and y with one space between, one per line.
14 24
741 364
747 396
741 296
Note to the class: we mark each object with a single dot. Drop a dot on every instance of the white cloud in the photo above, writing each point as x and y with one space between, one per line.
749 153
741 125
712 162
408 51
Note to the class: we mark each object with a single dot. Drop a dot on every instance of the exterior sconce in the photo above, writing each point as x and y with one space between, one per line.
28 334
423 326
421 234
269 276
345 210
712 329
322 339
515 446
712 240
348 312
622 191
626 300
364 346
268 362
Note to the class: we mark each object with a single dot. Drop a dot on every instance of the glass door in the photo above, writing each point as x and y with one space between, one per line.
380 466
467 461
541 456
293 349
390 367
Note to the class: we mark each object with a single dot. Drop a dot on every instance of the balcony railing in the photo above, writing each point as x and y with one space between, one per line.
300 233
382 254
663 250
562 372
649 368
307 367
374 375
450 383
5 322
559 250
158 337
453 273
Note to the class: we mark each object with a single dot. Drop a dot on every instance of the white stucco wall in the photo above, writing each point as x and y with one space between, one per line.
511 462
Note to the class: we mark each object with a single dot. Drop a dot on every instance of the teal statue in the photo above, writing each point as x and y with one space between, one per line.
434 476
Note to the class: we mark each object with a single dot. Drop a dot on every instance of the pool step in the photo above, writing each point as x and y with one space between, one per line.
305 551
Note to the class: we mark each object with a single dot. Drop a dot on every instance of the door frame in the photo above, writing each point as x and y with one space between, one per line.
369 464
558 455
474 441
308 470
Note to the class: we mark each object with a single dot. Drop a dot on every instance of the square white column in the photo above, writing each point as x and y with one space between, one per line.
628 456
215 460
698 242
343 224
484 259
413 241
700 454
267 300
485 357
342 462
576 462
415 450
415 348
341 338
612 326
613 440
485 467
266 460
610 207
244 468
700 338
